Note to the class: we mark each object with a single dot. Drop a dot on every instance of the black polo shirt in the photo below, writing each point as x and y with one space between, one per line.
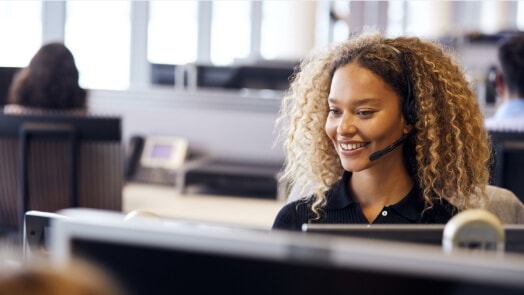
341 208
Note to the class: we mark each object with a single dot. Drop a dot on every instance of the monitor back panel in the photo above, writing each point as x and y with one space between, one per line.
429 234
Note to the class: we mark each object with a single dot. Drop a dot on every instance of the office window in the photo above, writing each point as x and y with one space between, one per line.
98 34
418 14
288 29
396 17
172 32
20 32
273 18
520 15
341 12
230 31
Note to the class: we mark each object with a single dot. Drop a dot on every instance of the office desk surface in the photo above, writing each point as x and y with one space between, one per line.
166 202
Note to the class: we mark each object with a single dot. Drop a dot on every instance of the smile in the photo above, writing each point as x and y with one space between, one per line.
351 146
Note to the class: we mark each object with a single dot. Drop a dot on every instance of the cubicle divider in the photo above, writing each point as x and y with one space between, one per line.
54 161
221 124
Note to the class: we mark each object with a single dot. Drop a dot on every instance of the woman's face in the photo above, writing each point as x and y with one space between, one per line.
364 117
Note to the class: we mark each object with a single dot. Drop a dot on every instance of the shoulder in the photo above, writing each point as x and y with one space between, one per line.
292 215
440 213
514 124
16 109
505 204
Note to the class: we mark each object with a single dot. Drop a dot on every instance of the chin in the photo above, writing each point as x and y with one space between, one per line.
353 168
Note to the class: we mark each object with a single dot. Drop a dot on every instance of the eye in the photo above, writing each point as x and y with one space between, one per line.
365 113
334 111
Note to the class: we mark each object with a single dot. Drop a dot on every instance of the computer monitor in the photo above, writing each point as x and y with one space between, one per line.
36 233
210 76
427 234
273 76
276 77
175 258
166 74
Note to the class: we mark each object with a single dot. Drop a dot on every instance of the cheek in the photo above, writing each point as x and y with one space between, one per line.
330 129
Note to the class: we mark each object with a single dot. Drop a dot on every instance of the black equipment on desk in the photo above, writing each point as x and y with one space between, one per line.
167 160
234 178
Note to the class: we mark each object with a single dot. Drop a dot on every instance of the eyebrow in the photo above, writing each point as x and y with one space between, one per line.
358 102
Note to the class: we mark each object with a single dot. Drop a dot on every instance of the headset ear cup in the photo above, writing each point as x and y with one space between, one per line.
409 108
409 111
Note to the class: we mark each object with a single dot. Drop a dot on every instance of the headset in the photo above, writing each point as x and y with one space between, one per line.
408 110
408 106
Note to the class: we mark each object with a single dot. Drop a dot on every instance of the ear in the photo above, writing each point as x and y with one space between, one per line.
407 128
499 83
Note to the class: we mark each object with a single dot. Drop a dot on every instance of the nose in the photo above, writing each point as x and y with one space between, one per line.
346 125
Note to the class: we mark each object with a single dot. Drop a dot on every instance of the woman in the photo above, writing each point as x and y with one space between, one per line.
382 130
49 82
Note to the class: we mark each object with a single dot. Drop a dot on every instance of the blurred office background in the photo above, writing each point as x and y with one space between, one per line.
147 60
114 42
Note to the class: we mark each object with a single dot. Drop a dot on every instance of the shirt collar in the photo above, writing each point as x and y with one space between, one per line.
411 206
339 197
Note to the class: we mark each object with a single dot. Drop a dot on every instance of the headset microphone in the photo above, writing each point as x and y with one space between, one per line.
376 155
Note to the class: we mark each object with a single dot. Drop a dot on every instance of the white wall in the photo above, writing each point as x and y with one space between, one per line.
225 124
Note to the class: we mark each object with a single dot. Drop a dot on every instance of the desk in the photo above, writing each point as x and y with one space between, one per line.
166 202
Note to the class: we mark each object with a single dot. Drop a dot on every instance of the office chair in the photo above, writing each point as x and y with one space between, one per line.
54 161
507 168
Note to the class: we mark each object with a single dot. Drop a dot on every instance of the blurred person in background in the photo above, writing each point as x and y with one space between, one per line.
49 82
509 81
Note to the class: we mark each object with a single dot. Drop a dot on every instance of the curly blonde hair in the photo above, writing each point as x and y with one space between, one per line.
449 154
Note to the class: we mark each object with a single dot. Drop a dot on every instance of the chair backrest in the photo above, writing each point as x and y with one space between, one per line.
6 77
507 169
53 161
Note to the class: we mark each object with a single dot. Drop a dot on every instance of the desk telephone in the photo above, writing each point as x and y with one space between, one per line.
155 159
166 160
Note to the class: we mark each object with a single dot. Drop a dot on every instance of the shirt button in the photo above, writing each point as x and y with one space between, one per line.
384 213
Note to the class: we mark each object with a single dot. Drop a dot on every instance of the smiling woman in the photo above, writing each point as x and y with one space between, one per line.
364 118
383 130
360 101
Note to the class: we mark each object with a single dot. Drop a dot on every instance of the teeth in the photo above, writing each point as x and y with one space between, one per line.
351 146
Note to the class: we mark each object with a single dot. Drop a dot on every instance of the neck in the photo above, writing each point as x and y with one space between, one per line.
381 186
